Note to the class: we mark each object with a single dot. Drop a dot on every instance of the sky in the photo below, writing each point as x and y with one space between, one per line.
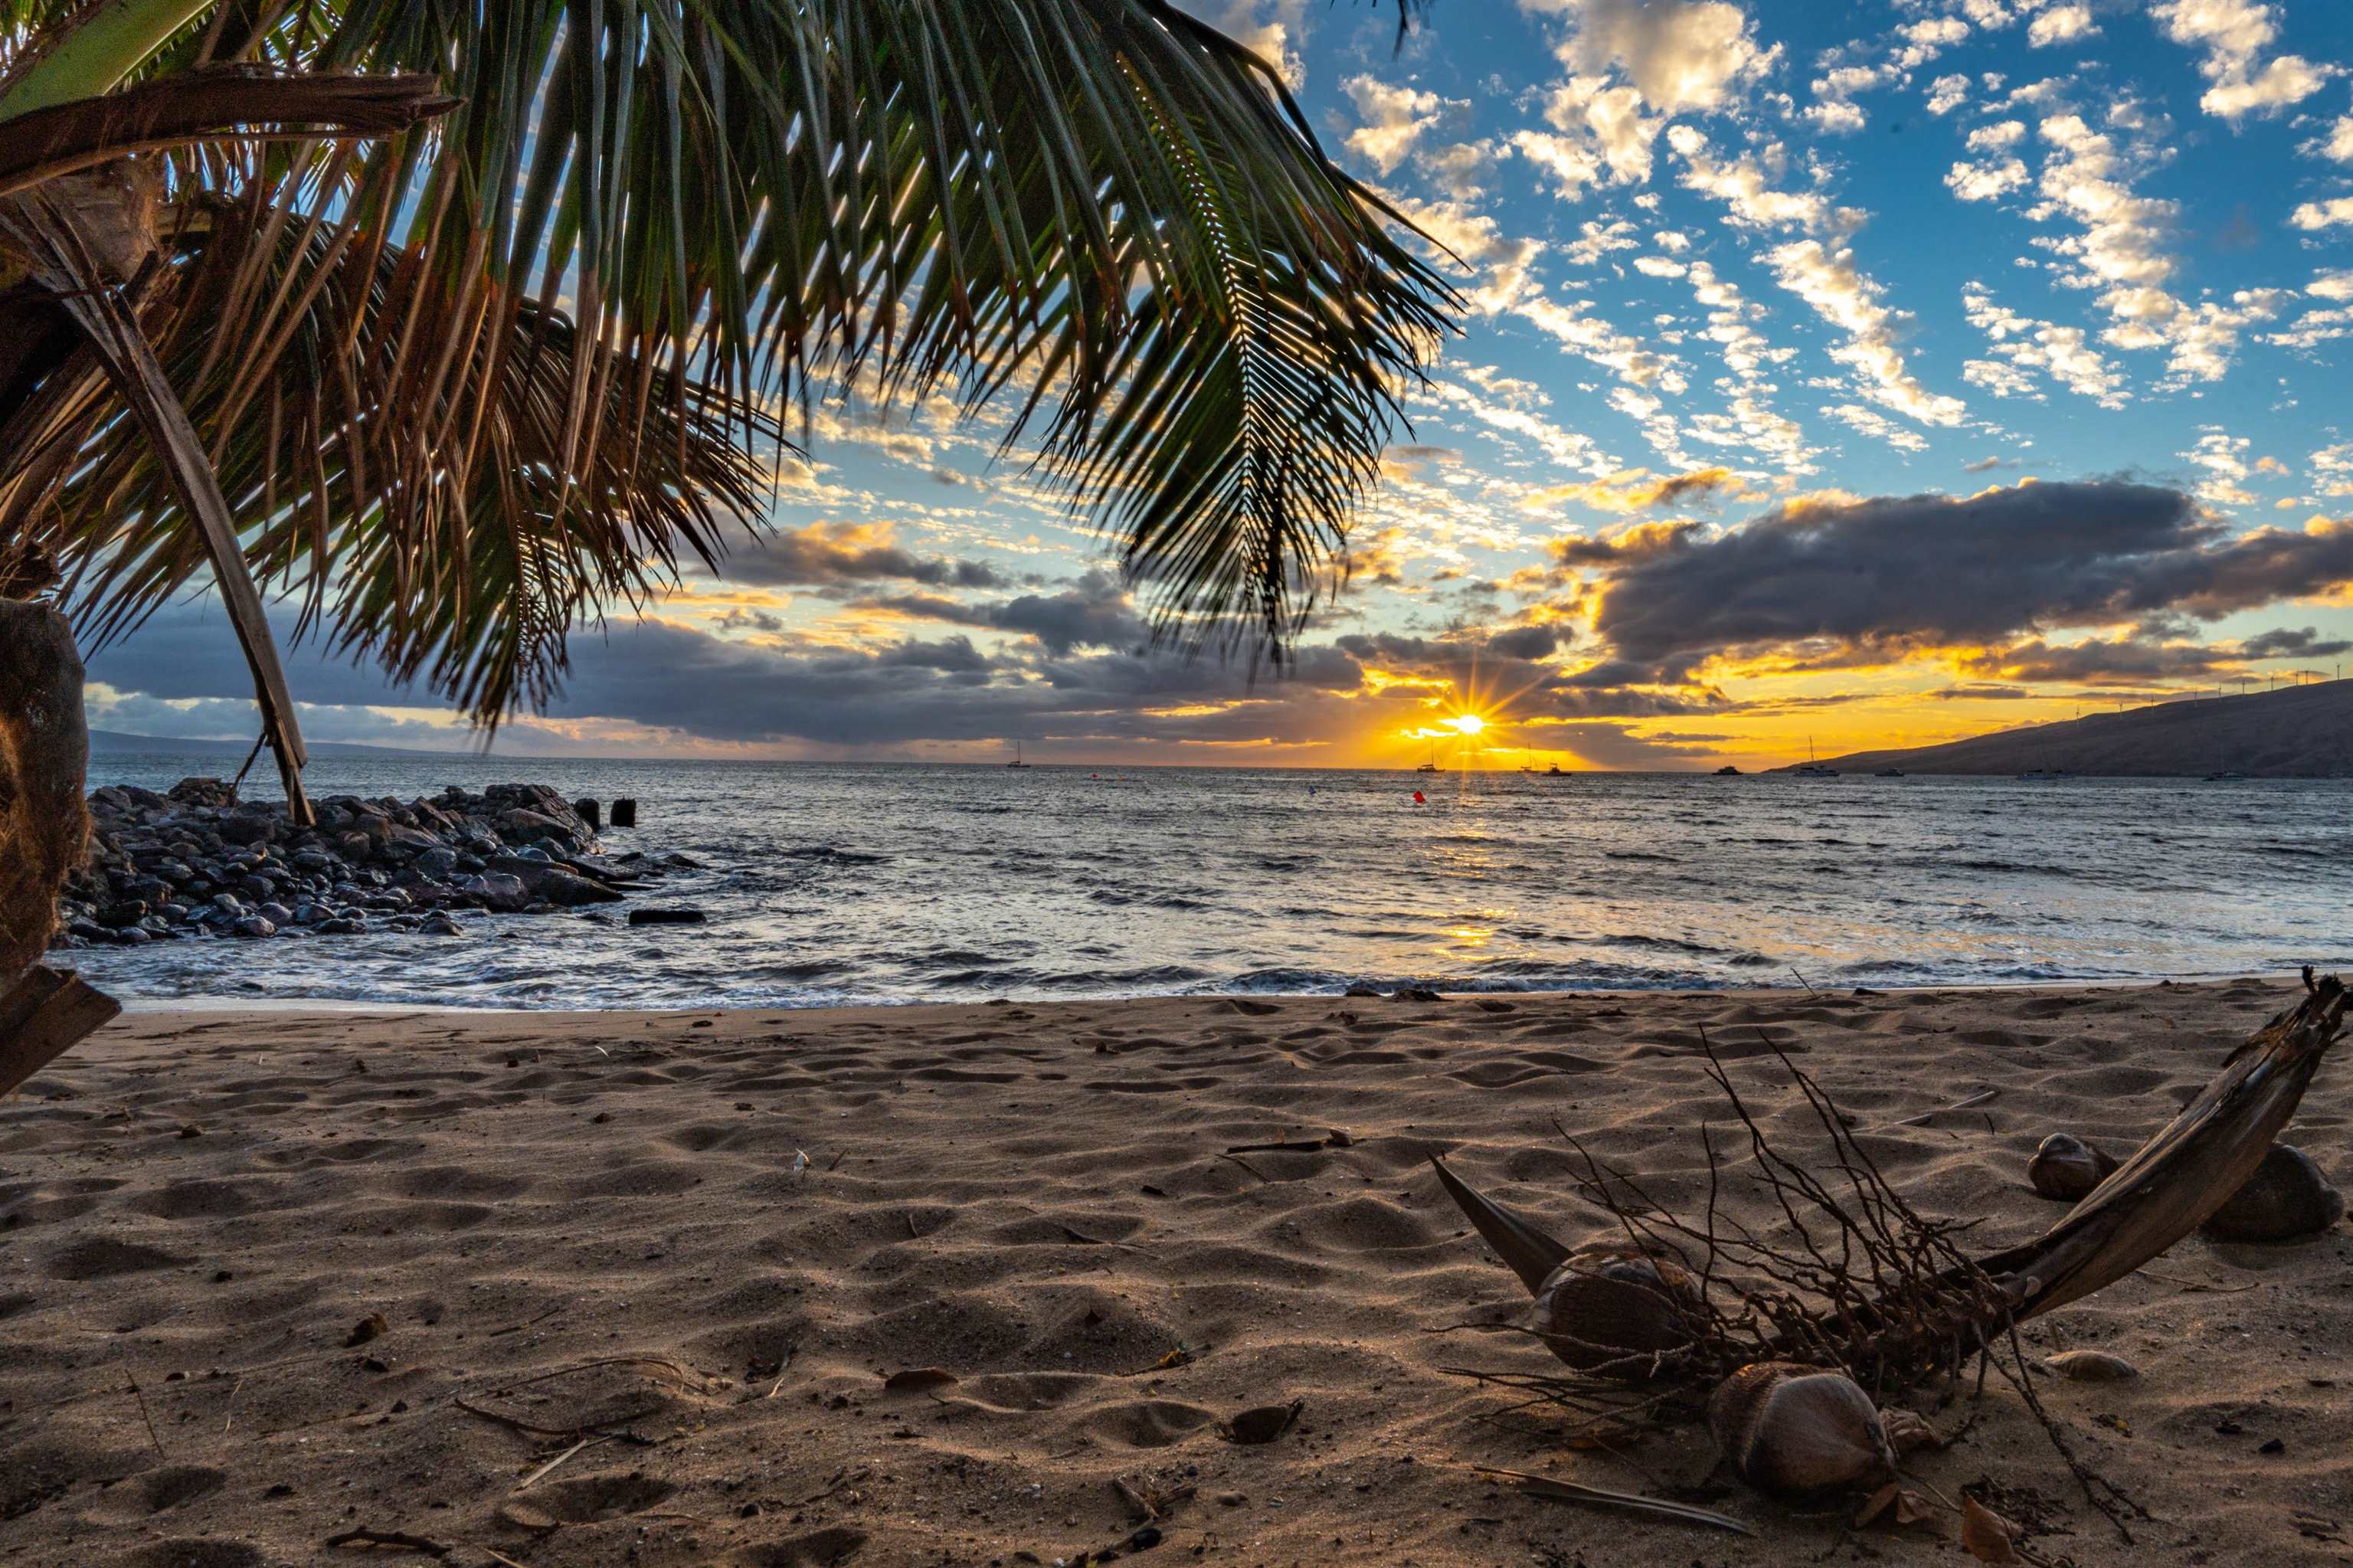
1832 377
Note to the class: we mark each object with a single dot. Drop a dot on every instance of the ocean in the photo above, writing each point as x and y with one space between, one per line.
834 883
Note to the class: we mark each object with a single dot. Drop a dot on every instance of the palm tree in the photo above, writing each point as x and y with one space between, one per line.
462 321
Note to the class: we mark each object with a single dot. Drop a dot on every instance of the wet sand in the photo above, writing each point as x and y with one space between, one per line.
251 1262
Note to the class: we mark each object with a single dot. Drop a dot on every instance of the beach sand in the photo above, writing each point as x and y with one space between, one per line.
604 1221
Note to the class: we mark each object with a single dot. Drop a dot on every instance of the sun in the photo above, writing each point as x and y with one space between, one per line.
1468 724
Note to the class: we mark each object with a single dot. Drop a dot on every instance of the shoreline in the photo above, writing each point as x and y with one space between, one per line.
150 1007
304 1235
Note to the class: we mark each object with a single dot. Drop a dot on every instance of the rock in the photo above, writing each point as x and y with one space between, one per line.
665 916
497 890
213 792
2091 1366
625 814
439 862
588 812
117 916
2287 1199
254 926
441 925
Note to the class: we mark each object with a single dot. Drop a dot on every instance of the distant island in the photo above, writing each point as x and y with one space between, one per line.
2296 732
120 743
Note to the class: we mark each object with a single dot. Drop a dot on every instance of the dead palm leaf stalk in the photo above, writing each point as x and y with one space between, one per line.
1862 1282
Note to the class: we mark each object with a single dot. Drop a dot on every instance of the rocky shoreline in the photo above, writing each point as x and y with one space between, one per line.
198 862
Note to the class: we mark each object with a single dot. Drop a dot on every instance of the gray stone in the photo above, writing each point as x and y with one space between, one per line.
253 925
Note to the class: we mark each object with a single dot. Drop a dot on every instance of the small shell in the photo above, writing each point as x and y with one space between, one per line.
2091 1366
2286 1199
1793 1431
2067 1168
1610 1307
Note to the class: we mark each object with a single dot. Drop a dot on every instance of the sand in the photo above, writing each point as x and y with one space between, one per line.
605 1222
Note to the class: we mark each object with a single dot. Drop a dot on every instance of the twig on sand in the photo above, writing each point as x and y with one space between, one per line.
1245 1165
1981 1097
519 1328
1571 1491
841 1478
363 1536
544 1469
516 1423
137 1395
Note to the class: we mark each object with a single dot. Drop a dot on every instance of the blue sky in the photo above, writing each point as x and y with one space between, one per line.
1882 373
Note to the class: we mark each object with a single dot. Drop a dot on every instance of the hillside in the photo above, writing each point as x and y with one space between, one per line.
2297 732
119 743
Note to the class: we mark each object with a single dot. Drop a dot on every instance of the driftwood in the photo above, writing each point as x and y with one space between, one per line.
44 1015
1859 1280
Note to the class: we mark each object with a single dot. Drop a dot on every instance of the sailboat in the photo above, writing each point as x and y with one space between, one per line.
1017 761
1430 765
1525 766
1814 770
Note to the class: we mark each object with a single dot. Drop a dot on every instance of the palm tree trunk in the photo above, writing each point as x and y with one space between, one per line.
43 752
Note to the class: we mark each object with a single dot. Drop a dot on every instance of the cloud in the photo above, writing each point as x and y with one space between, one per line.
829 554
1636 490
2233 35
2318 214
1096 614
1395 118
2062 352
2061 24
1682 56
1844 578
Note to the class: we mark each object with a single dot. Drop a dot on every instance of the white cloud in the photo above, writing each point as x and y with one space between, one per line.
2337 146
2223 456
2337 285
2061 24
1948 93
2062 352
1827 281
2332 468
2233 35
1597 238
1395 118
1983 182
1877 425
1682 56
2001 380
1820 269
2329 214
1999 136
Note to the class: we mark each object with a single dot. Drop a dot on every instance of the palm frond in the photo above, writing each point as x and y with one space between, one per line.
482 377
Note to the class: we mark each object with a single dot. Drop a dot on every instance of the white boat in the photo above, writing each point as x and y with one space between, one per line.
1813 769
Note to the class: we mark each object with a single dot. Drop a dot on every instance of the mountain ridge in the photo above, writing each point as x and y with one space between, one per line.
2296 732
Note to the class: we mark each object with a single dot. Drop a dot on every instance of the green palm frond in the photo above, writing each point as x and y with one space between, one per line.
471 383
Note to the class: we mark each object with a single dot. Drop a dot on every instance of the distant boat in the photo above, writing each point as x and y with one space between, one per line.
2226 773
1430 765
1525 766
1017 761
2037 776
1813 769
1889 773
1727 771
1555 772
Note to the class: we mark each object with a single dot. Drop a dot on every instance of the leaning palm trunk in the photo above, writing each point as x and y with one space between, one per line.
1861 1281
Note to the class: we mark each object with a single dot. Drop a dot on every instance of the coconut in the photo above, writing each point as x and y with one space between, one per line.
1795 1431
1613 1308
2287 1199
2067 1168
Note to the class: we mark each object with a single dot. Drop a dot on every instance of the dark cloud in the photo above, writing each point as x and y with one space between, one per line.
1096 612
824 554
1890 575
2285 643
